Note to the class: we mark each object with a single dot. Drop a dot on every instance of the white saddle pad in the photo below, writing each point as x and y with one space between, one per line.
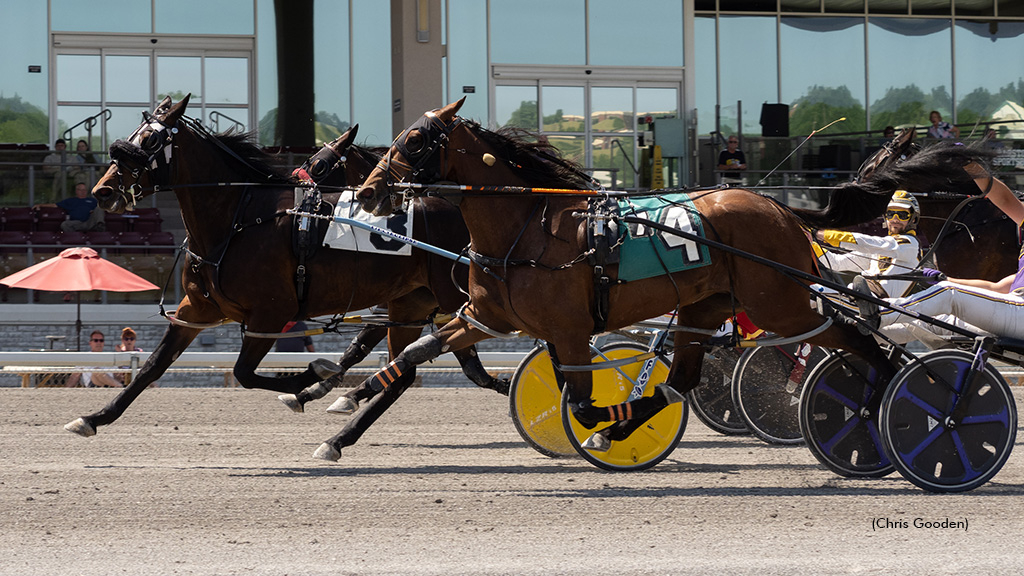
347 237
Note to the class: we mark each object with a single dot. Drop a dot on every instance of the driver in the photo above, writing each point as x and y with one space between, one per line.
977 305
878 256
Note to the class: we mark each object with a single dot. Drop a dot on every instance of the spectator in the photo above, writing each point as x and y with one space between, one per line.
732 160
94 379
887 135
128 339
940 129
80 174
295 344
991 139
84 213
55 165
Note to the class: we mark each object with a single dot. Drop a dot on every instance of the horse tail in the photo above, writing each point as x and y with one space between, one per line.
936 168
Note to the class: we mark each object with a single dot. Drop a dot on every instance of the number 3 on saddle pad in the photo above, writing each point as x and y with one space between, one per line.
537 407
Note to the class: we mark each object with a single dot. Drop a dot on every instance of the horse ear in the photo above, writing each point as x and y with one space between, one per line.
344 141
449 111
163 106
176 111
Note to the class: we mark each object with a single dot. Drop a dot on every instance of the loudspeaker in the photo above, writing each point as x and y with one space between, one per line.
774 119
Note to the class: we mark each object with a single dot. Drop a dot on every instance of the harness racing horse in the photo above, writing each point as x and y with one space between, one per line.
531 274
240 263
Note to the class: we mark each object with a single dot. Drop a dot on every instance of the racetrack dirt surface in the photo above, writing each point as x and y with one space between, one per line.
221 481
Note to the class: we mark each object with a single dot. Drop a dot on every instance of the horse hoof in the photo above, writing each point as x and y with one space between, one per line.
324 368
672 396
343 405
327 452
597 443
292 401
81 427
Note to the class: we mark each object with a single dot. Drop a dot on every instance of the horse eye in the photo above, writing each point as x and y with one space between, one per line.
415 143
152 141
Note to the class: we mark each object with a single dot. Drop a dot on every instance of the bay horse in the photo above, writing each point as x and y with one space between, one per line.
240 264
531 271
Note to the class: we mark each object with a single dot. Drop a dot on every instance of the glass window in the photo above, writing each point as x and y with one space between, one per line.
203 16
615 27
989 91
705 73
101 16
266 66
901 94
975 8
823 77
657 102
516 106
227 80
748 70
557 33
562 108
931 7
126 79
1010 8
844 6
611 109
68 116
371 41
801 5
331 63
224 119
571 147
125 119
613 160
748 5
887 6
177 76
467 58
23 43
78 78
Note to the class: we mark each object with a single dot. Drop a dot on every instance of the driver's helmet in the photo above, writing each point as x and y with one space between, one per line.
903 200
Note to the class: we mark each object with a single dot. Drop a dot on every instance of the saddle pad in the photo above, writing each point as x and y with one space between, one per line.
346 237
647 252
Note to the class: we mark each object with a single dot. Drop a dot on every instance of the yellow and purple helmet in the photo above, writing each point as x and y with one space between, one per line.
906 201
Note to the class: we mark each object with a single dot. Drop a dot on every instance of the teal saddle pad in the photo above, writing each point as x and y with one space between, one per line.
647 252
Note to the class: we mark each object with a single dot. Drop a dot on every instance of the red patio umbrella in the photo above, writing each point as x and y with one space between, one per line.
77 270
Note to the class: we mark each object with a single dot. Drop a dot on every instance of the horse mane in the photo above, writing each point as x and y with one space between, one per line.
255 159
936 168
541 162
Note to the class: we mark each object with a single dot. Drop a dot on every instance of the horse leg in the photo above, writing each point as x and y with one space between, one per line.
174 341
475 371
252 353
358 349
395 378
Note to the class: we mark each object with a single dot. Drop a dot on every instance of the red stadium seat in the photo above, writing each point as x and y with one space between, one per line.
49 218
161 243
18 219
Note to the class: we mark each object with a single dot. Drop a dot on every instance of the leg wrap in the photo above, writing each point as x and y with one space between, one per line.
361 346
420 351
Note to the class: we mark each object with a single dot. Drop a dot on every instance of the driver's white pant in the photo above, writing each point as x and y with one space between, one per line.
974 309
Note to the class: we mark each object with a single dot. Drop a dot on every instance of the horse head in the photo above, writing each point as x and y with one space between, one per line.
328 159
414 157
899 148
142 161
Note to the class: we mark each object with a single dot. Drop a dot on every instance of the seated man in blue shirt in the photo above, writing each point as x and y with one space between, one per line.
84 214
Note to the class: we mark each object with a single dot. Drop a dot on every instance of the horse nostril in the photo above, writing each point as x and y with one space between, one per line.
365 193
104 192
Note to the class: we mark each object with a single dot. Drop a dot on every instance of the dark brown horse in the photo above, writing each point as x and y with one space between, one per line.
241 265
532 274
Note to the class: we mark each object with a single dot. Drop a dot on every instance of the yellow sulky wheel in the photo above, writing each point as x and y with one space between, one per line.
649 444
535 404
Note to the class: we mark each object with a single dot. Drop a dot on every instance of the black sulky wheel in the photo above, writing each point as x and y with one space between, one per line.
766 389
712 400
935 447
839 415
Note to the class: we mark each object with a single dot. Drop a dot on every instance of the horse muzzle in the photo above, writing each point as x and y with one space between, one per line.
373 202
108 199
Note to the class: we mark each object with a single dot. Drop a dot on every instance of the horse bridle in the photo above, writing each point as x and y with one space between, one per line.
152 154
421 165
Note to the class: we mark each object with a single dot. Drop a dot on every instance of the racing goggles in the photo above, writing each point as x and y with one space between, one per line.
903 215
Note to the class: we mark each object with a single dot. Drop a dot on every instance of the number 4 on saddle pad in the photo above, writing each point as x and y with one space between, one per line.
647 252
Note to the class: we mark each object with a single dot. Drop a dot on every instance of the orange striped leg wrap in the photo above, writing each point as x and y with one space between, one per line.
620 412
383 379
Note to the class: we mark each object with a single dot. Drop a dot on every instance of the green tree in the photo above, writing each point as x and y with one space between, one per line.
822 105
22 122
525 116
